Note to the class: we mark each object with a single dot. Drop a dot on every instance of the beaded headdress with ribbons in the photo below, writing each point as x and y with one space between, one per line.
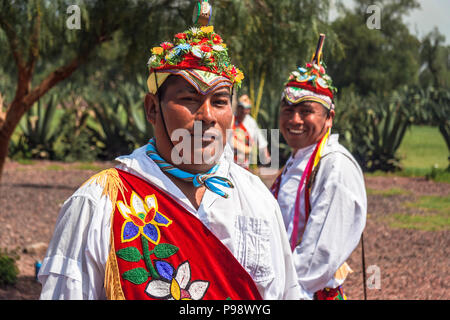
311 83
198 54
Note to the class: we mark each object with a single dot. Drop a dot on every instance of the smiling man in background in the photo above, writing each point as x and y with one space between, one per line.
321 190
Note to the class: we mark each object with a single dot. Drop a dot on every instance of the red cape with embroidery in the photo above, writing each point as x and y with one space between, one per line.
162 251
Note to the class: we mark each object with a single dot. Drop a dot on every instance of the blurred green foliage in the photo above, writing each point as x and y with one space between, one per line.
8 267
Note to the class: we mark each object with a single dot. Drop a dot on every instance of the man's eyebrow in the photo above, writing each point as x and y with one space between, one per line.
189 89
223 93
307 104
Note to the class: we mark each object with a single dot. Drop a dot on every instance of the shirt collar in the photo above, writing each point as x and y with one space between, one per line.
301 153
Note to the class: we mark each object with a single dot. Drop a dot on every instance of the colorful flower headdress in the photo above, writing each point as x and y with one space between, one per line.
198 48
312 78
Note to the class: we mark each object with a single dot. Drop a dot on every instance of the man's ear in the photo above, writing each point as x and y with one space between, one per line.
330 118
150 104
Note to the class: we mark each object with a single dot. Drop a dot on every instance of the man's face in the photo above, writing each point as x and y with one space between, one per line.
203 119
304 124
241 112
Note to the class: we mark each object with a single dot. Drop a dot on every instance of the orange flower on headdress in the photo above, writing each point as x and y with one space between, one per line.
157 50
208 29
239 75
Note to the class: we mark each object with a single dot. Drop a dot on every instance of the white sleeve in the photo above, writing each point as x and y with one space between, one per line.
255 132
262 141
335 224
74 265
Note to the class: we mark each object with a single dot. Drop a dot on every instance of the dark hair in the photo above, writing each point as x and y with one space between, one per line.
162 90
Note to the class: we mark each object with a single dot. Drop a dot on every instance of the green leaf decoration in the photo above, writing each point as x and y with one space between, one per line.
136 275
164 250
130 254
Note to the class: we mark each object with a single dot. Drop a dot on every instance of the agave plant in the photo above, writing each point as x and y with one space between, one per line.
110 127
373 128
133 97
121 124
439 111
39 129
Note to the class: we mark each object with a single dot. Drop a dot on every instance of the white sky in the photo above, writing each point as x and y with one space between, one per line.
420 21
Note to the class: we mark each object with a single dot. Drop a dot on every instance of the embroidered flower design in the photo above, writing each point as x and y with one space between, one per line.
142 218
178 287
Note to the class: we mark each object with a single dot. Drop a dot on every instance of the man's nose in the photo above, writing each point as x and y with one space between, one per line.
297 117
206 112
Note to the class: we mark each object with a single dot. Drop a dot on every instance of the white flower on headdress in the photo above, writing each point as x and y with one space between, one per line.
151 60
322 82
196 51
218 48
195 31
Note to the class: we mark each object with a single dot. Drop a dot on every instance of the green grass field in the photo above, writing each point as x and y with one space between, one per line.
431 222
437 218
423 152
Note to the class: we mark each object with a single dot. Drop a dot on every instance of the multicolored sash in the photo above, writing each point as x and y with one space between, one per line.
159 250
306 182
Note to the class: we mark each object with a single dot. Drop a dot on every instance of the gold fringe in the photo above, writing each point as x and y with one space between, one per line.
343 271
113 287
110 180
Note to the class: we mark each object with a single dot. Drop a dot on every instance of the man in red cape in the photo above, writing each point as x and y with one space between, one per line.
176 219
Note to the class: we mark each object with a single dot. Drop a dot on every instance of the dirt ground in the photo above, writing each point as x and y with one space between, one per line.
410 264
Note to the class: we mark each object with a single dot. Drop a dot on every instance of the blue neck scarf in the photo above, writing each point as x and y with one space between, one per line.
201 179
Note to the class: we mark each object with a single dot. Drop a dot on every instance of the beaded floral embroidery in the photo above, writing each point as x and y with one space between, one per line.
142 218
176 284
